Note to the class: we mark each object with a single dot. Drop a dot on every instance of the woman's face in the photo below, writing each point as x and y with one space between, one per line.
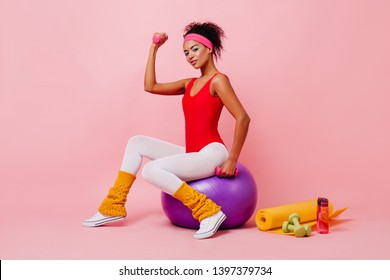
196 53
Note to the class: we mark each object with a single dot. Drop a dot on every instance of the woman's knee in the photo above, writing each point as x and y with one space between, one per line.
149 171
136 140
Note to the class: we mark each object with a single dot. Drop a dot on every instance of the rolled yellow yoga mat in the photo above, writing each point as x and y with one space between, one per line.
271 219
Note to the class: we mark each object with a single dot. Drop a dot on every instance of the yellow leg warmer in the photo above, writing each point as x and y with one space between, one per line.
114 203
201 206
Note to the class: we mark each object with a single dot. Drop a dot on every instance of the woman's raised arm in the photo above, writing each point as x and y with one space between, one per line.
150 82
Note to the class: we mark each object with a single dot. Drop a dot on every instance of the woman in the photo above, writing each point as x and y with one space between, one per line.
170 165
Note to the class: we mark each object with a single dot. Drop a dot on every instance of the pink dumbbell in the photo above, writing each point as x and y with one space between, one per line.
156 39
218 172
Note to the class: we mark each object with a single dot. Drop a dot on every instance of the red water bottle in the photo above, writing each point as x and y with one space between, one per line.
322 215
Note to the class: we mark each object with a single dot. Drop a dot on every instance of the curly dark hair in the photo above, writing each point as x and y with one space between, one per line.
209 30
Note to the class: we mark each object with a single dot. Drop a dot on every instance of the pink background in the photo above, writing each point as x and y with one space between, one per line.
313 75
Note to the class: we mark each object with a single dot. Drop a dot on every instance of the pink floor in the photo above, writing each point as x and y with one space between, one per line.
52 230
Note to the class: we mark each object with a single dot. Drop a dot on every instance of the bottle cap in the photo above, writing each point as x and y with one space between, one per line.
321 201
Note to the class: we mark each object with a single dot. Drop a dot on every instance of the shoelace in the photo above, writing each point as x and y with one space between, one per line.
204 223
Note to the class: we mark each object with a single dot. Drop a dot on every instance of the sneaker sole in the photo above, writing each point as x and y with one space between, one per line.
213 230
102 221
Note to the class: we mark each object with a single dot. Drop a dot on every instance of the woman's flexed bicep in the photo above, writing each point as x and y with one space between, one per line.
172 88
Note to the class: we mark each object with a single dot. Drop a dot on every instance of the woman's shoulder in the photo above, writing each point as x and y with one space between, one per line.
220 83
187 81
220 78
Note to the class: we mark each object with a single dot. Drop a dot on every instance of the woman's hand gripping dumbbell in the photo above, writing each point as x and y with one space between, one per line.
218 172
159 38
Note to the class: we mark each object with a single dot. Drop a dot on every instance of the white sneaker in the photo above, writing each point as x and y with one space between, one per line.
210 225
99 219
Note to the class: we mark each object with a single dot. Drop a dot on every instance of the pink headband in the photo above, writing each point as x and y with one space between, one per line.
199 38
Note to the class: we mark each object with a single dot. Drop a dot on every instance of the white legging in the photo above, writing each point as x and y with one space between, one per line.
170 165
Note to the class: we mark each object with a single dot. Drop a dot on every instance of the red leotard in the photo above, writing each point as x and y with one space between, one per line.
201 112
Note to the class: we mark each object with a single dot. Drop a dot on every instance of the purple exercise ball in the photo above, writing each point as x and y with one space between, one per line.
236 195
